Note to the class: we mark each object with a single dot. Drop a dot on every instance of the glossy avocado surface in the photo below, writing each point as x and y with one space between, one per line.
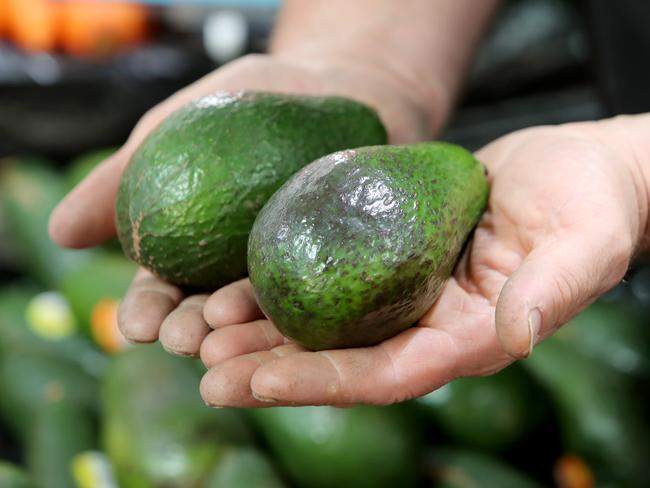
358 245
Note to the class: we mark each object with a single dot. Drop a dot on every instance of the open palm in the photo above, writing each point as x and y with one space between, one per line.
561 227
564 219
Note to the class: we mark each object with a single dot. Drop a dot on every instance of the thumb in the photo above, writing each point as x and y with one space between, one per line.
556 281
86 216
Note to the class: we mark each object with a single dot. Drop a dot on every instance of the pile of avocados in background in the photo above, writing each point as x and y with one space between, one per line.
79 408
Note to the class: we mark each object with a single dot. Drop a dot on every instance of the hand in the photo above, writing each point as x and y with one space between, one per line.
154 309
566 213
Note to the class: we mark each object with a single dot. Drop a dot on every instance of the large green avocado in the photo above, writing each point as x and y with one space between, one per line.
190 194
357 245
328 447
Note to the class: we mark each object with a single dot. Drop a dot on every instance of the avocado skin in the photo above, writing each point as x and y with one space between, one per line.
357 245
189 196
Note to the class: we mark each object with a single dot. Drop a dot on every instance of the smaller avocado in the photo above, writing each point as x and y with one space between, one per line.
357 246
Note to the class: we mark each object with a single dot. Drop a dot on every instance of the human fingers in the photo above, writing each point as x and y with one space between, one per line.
147 303
184 329
239 339
555 281
86 216
229 383
233 304
412 363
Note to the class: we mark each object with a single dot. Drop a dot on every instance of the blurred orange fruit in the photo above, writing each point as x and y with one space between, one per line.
85 28
100 28
32 24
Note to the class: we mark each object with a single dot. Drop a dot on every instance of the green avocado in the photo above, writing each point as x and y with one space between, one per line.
190 194
328 447
491 413
156 429
12 476
357 246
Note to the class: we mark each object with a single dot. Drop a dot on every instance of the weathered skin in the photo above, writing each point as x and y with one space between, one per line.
189 197
357 246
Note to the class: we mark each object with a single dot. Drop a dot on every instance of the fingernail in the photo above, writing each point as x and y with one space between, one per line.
208 404
534 325
131 341
178 352
263 399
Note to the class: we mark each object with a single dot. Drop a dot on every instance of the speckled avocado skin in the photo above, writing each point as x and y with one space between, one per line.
356 246
190 194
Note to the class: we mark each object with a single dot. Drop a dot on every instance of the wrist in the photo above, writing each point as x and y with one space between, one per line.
419 49
402 102
433 100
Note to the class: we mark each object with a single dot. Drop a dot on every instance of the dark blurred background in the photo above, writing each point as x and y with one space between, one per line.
84 82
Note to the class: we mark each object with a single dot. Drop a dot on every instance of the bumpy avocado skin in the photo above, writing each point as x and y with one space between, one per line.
357 246
189 196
